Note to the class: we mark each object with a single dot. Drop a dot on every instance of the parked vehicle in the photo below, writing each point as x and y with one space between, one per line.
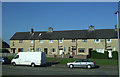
4 60
81 63
29 58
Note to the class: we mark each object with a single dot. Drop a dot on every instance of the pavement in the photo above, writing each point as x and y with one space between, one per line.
58 69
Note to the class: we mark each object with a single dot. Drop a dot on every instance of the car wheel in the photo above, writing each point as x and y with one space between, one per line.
33 64
14 64
89 66
71 66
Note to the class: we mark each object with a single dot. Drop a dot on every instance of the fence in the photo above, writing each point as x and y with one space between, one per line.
8 54
53 56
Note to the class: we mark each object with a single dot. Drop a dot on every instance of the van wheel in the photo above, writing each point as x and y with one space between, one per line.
71 66
33 64
14 64
89 66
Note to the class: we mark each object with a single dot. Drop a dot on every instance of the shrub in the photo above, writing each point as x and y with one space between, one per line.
5 50
96 55
114 55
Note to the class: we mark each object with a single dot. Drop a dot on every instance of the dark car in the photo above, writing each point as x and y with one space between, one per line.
4 60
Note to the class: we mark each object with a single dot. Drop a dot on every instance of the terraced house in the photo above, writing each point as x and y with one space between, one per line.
72 42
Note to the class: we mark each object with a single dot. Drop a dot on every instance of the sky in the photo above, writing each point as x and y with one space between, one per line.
22 16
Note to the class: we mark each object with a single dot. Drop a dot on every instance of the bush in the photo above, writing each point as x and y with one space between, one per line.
5 50
96 55
114 55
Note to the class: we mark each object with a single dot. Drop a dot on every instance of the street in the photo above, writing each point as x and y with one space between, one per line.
57 69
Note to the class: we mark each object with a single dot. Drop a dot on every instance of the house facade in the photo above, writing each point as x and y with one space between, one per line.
72 42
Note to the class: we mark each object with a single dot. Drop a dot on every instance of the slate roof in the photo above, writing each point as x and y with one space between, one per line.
68 34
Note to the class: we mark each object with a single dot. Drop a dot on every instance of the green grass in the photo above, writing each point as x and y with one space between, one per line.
66 60
105 61
97 61
49 59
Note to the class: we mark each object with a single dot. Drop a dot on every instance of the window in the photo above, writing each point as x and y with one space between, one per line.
41 41
114 49
84 40
81 50
97 40
108 40
16 57
53 50
20 49
13 43
60 41
73 40
38 49
50 41
69 48
20 41
31 41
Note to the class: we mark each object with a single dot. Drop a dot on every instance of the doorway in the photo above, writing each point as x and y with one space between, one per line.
46 50
89 52
13 50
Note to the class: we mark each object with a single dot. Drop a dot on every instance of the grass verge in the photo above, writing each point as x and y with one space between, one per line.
97 61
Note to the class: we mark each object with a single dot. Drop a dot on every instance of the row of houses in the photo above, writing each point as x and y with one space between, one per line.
72 42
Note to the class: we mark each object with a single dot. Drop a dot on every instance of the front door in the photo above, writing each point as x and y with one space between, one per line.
89 55
46 50
13 50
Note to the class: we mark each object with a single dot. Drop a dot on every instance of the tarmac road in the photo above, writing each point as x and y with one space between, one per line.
57 70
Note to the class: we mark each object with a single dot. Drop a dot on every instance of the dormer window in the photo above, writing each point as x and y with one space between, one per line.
41 41
31 41
60 41
84 40
50 41
97 40
20 41
108 40
73 40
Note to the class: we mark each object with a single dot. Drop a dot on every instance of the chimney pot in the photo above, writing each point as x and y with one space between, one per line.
91 28
31 30
50 29
115 27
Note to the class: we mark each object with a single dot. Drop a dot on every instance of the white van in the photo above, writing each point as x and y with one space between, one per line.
29 58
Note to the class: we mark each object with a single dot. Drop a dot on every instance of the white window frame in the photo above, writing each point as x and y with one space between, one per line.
32 41
61 41
20 41
40 41
52 49
108 41
38 49
50 41
83 40
73 40
97 41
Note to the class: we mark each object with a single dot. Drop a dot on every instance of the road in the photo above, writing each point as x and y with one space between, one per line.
57 70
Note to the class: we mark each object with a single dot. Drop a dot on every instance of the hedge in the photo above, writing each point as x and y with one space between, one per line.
96 55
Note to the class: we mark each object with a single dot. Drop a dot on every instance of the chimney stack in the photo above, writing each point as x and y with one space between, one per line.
91 28
50 29
115 27
31 30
